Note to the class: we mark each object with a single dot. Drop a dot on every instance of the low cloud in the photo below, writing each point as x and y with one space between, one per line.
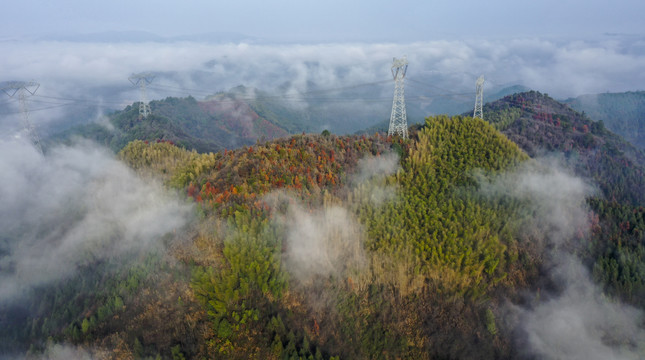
553 197
97 72
54 351
376 166
64 352
319 243
576 321
323 242
74 206
581 322
367 180
328 241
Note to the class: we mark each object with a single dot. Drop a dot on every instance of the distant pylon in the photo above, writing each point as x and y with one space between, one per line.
479 98
142 79
399 119
24 88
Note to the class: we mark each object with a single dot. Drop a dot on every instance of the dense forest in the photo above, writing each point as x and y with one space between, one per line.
244 115
545 127
446 245
622 113
220 122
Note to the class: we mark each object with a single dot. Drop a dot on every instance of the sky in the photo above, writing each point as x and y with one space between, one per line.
83 52
329 20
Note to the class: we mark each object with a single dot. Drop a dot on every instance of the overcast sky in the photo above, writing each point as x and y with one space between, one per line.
564 48
328 20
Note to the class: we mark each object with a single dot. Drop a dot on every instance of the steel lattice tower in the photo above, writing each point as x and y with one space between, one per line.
479 98
141 79
24 89
399 119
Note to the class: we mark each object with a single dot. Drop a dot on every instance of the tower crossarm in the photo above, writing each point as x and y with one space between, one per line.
12 87
24 89
141 80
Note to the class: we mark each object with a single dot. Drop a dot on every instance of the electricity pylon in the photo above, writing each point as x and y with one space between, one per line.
141 79
399 119
479 98
23 89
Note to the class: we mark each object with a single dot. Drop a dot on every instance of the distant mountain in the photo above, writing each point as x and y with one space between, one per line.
544 127
453 104
505 91
541 125
622 113
355 108
447 105
244 115
211 125
320 246
272 107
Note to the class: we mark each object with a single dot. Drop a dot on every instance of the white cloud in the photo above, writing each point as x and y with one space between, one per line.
551 194
376 166
71 207
320 242
97 72
577 321
548 66
581 322
328 241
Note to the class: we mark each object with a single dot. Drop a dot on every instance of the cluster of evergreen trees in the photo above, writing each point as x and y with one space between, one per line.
434 257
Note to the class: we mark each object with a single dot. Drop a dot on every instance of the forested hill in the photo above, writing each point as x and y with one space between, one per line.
445 104
622 113
440 246
307 247
243 115
217 123
543 126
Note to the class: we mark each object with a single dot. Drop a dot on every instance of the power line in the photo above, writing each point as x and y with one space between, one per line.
316 95
37 109
69 102
297 95
464 95
80 100
446 91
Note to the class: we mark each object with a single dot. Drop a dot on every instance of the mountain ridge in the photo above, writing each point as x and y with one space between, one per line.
361 246
211 125
622 113
539 125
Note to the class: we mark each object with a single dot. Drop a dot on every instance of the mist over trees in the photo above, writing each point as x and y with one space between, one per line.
471 239
256 208
622 113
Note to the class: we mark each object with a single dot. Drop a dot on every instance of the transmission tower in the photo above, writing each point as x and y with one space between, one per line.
399 119
141 79
479 98
24 89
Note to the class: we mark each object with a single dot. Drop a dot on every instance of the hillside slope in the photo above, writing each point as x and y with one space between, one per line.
622 113
325 246
243 115
310 247
544 127
444 104
211 125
